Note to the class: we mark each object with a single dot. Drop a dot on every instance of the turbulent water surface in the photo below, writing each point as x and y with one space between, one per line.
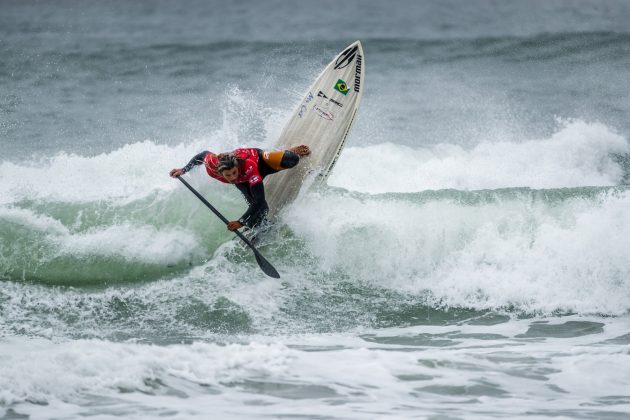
468 258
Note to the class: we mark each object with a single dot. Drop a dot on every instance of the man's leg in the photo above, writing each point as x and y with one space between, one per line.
258 218
282 159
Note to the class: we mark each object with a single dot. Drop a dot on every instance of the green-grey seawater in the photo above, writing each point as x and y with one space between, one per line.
468 258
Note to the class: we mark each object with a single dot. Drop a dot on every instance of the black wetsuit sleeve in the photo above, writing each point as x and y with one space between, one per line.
196 160
258 207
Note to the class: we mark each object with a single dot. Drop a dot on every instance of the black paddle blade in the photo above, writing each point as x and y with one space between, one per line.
265 266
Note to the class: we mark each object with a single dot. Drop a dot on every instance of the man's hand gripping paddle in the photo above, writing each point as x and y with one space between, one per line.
265 266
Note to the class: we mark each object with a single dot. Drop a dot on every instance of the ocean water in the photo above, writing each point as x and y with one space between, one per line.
468 258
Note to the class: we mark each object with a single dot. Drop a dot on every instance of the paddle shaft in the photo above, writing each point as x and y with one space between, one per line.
262 262
204 201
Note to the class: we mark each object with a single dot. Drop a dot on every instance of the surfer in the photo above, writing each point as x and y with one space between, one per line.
246 169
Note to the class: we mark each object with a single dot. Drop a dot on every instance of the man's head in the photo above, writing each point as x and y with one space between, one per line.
228 167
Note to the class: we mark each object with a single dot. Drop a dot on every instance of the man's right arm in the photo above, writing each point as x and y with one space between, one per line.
196 160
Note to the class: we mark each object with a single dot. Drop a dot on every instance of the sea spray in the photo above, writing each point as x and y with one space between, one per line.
578 154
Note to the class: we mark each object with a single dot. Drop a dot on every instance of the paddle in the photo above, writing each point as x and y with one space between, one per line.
265 266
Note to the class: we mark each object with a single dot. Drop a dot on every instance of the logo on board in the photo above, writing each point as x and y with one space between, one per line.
306 100
323 95
357 74
341 87
346 58
325 114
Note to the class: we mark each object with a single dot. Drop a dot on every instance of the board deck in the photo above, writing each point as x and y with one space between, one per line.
322 121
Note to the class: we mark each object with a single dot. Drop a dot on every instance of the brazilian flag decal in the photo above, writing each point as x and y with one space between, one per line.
341 87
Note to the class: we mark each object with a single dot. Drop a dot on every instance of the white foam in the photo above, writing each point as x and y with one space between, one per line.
133 170
538 256
350 377
137 242
32 221
123 175
578 154
40 371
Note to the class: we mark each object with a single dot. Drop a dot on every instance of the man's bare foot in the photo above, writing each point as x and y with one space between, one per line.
302 150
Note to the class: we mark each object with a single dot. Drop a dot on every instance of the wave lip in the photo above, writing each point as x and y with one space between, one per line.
39 247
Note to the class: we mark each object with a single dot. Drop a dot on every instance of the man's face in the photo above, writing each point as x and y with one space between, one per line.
231 175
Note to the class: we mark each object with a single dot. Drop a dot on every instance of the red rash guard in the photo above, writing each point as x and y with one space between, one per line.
248 169
249 181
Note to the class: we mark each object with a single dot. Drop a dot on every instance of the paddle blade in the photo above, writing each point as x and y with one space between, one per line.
265 265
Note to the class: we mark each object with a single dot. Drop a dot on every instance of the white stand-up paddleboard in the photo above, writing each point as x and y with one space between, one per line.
322 121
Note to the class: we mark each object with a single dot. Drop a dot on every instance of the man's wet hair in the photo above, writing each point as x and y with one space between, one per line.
227 161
